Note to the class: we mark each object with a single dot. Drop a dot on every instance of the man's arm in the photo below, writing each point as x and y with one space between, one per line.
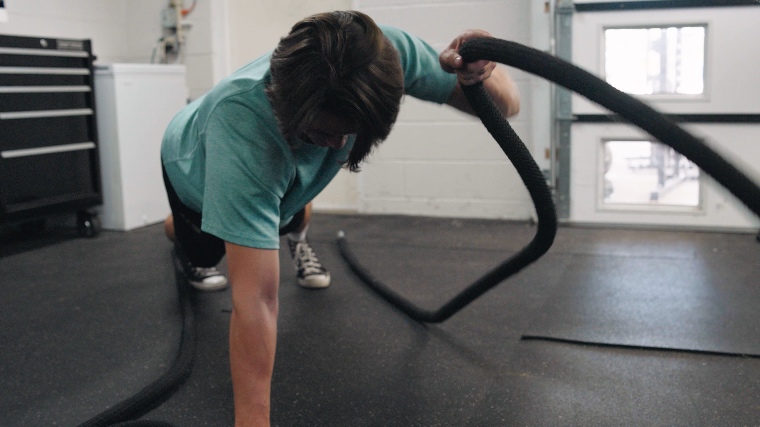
255 277
495 78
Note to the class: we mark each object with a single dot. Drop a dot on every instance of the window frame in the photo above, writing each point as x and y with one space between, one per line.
602 206
662 97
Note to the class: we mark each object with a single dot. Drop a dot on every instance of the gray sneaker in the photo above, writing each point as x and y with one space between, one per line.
206 278
201 278
310 272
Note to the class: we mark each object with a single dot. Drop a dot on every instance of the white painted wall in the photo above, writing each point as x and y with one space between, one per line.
101 21
256 27
437 161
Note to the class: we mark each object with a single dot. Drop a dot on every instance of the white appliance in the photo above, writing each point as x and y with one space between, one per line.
134 104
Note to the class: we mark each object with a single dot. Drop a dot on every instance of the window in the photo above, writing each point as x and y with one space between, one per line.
648 174
656 61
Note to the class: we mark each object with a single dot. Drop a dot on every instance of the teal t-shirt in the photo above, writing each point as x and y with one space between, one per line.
226 158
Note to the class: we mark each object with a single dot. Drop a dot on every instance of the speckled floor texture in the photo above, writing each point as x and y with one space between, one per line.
610 328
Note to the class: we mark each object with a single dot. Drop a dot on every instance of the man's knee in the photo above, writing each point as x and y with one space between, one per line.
169 228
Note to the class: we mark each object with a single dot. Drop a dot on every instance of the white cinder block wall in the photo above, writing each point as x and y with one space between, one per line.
101 21
439 162
127 31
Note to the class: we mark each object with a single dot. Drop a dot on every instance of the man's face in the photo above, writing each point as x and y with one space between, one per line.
328 130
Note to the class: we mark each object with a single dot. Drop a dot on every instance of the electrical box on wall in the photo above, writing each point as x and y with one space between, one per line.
169 18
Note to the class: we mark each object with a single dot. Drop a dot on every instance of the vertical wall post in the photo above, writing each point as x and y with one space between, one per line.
563 109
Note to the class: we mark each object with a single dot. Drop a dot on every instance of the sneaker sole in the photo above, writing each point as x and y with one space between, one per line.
305 283
209 288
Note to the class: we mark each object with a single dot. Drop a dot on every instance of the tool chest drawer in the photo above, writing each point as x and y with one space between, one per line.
48 136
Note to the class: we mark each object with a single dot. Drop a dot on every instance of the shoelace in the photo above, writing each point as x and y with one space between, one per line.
204 272
307 260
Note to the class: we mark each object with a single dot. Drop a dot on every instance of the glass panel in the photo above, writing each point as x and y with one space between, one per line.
648 173
646 61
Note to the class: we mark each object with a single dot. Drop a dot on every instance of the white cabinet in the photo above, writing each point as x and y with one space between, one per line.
135 103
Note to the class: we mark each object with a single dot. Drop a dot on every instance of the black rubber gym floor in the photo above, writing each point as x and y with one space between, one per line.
610 328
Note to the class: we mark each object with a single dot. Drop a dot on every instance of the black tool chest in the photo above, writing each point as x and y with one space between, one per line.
48 139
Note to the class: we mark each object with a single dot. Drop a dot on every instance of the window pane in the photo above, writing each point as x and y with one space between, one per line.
648 173
646 61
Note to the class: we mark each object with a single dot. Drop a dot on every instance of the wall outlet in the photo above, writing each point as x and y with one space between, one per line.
168 18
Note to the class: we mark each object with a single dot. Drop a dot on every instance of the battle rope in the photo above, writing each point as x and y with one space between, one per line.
539 191
154 394
593 88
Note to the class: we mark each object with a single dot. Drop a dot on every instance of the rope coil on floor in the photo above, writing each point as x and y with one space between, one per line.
590 86
125 413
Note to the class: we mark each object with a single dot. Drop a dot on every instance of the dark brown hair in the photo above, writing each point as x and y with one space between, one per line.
340 63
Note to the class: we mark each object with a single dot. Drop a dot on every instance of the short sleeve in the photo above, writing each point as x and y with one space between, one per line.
247 175
423 76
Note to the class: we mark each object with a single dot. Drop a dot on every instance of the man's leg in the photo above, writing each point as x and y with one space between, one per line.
300 232
199 252
310 272
169 228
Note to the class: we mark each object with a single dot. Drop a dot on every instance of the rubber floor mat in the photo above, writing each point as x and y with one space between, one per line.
84 324
700 296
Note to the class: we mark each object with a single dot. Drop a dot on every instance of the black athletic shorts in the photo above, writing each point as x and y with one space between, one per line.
203 249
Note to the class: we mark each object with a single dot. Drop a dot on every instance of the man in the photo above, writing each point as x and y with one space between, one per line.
243 162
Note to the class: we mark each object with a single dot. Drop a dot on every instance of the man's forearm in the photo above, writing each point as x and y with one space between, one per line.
503 91
253 337
255 277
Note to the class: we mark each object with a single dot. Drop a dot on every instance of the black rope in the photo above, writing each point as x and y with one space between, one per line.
539 191
580 81
638 347
629 108
154 394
